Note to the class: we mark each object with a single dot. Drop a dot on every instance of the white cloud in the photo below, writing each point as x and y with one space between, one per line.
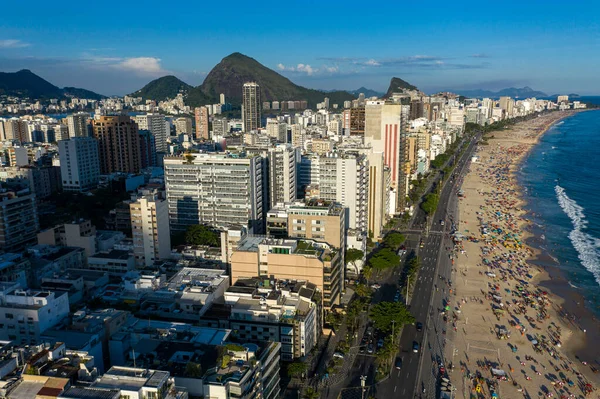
332 69
146 65
372 62
12 43
306 68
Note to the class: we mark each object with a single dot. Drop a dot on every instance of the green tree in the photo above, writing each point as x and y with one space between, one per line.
353 254
394 240
384 314
362 290
430 204
202 235
311 393
193 370
296 369
384 259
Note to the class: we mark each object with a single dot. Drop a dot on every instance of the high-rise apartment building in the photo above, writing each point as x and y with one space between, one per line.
118 142
183 125
216 189
147 149
77 124
201 116
344 178
158 126
283 174
79 163
251 103
18 221
150 229
357 121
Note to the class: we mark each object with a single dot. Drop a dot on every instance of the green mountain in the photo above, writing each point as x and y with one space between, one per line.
236 69
397 85
523 92
162 88
367 92
81 93
25 83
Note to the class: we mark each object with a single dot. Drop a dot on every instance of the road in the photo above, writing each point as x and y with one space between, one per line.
425 302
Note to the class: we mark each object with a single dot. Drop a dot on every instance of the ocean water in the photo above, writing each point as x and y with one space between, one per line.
561 178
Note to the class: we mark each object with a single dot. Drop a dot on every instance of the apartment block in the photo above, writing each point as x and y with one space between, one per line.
79 163
18 220
216 189
80 233
158 126
315 219
25 315
118 142
289 259
201 116
283 173
150 229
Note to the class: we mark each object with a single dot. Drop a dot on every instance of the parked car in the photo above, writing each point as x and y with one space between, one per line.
380 343
419 326
415 347
376 286
370 348
338 355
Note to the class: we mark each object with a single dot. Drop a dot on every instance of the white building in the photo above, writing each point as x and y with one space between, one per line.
283 173
158 126
79 163
77 124
25 315
218 189
150 230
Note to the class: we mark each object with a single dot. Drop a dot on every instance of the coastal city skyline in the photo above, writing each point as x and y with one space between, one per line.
359 200
437 49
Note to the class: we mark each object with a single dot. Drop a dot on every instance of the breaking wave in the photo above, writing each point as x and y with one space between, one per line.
587 246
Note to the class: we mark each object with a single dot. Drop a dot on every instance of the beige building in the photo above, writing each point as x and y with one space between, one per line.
378 200
118 144
315 219
80 233
201 116
322 146
150 230
183 125
291 260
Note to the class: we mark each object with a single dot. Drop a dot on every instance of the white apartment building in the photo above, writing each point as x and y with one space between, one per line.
135 383
77 124
79 163
158 126
344 178
283 174
217 189
150 230
25 315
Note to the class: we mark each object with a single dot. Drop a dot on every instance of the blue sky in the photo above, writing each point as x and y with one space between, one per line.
117 47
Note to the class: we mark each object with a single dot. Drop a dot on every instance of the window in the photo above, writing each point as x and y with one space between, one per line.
9 316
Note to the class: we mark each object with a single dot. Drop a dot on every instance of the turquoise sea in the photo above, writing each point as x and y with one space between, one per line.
561 179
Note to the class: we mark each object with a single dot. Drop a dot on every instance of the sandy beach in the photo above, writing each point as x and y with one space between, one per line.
515 329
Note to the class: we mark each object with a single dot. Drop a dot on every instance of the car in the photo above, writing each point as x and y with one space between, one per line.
419 326
421 243
338 355
380 343
370 348
369 331
415 347
441 223
398 363
376 286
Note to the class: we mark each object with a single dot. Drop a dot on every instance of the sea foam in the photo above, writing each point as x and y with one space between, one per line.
587 246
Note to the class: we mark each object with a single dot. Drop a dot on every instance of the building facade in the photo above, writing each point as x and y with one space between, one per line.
118 142
79 163
251 103
150 230
217 189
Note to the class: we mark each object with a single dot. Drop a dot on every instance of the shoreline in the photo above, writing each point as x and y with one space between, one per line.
494 197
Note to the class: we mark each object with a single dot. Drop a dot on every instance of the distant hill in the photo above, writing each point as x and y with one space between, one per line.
367 92
162 88
397 85
229 75
523 92
81 93
25 83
